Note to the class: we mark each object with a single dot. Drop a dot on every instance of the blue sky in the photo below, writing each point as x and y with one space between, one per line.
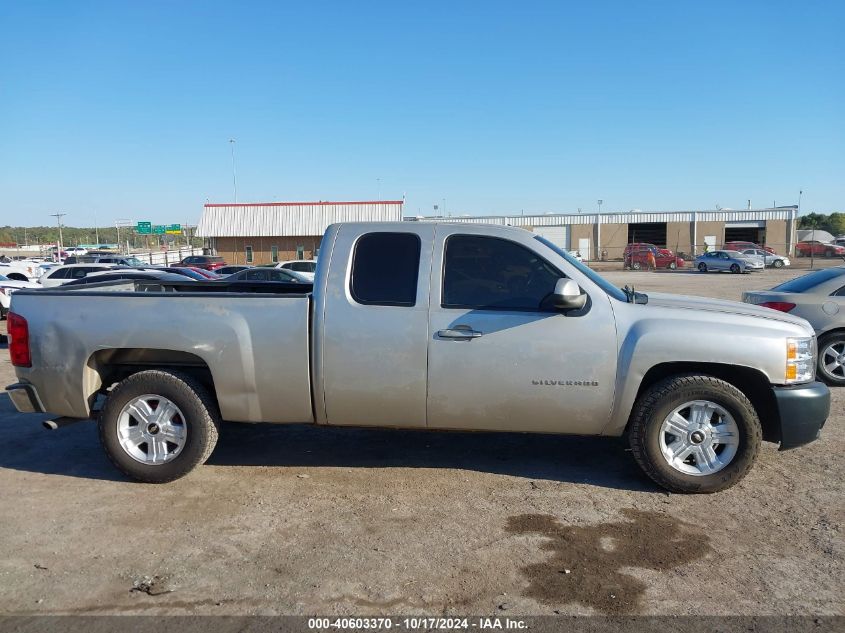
124 109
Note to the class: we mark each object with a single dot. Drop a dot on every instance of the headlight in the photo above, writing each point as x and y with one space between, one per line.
800 359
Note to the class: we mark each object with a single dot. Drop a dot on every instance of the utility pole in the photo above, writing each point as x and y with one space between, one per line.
59 217
378 188
234 177
96 231
600 203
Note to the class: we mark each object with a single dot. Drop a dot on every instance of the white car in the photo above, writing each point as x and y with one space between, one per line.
63 274
7 287
304 266
769 259
76 251
21 269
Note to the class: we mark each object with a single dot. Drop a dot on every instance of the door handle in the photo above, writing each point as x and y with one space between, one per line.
459 332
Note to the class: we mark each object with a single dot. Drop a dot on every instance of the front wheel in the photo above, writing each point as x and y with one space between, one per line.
636 265
735 269
672 266
695 433
831 363
158 425
778 263
702 267
828 254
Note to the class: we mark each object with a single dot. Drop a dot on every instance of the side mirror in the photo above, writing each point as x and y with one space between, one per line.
568 296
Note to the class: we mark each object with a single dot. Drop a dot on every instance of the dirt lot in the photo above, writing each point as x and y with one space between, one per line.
297 520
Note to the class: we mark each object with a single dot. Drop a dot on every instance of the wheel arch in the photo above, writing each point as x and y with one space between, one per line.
752 382
106 367
831 332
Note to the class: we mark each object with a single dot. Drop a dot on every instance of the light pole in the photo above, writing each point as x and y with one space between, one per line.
234 177
59 217
600 201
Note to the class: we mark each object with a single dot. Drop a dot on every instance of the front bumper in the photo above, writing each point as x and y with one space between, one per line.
25 398
803 410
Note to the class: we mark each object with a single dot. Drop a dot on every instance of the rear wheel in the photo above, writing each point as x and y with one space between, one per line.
735 269
695 433
702 267
828 254
158 425
636 265
831 363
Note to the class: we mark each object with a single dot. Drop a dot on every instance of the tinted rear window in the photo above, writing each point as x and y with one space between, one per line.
811 280
385 268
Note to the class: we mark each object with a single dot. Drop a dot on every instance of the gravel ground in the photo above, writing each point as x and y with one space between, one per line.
298 520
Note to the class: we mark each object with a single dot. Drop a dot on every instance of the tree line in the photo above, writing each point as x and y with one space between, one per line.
73 236
833 223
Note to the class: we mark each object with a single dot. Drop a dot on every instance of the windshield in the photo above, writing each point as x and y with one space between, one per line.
597 279
811 280
134 261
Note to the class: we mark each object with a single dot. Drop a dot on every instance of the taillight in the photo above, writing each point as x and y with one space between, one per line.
783 306
18 330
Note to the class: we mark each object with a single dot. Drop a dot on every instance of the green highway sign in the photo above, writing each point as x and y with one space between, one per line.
159 229
143 228
174 229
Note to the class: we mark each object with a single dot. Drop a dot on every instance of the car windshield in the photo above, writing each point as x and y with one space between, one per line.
811 280
597 279
134 261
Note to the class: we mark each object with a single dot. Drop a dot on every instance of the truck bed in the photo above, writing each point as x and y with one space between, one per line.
252 338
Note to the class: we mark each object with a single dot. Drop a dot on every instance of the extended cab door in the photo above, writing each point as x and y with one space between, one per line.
374 340
500 360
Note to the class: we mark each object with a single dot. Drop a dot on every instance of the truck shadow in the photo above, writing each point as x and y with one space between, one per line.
591 460
75 451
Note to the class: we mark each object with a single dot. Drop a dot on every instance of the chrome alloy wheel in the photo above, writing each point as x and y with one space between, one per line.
699 438
151 429
833 359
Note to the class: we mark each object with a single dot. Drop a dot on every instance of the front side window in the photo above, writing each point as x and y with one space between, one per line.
249 254
385 267
256 275
491 273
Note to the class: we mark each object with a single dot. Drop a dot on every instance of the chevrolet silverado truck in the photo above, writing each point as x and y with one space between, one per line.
418 325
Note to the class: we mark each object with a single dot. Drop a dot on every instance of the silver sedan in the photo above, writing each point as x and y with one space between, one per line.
818 297
734 261
770 259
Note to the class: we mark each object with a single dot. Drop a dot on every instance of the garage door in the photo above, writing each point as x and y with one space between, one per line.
558 235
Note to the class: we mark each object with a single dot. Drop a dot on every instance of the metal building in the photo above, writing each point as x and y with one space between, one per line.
267 232
604 235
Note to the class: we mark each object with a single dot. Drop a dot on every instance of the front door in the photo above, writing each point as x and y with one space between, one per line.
498 358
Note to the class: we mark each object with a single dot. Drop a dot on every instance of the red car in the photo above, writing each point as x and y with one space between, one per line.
204 262
743 246
818 249
636 257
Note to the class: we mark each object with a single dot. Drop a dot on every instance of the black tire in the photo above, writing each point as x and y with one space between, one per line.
821 370
660 400
636 265
778 263
672 266
735 269
702 267
828 254
201 419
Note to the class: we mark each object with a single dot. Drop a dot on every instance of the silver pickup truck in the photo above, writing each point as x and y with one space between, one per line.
423 325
